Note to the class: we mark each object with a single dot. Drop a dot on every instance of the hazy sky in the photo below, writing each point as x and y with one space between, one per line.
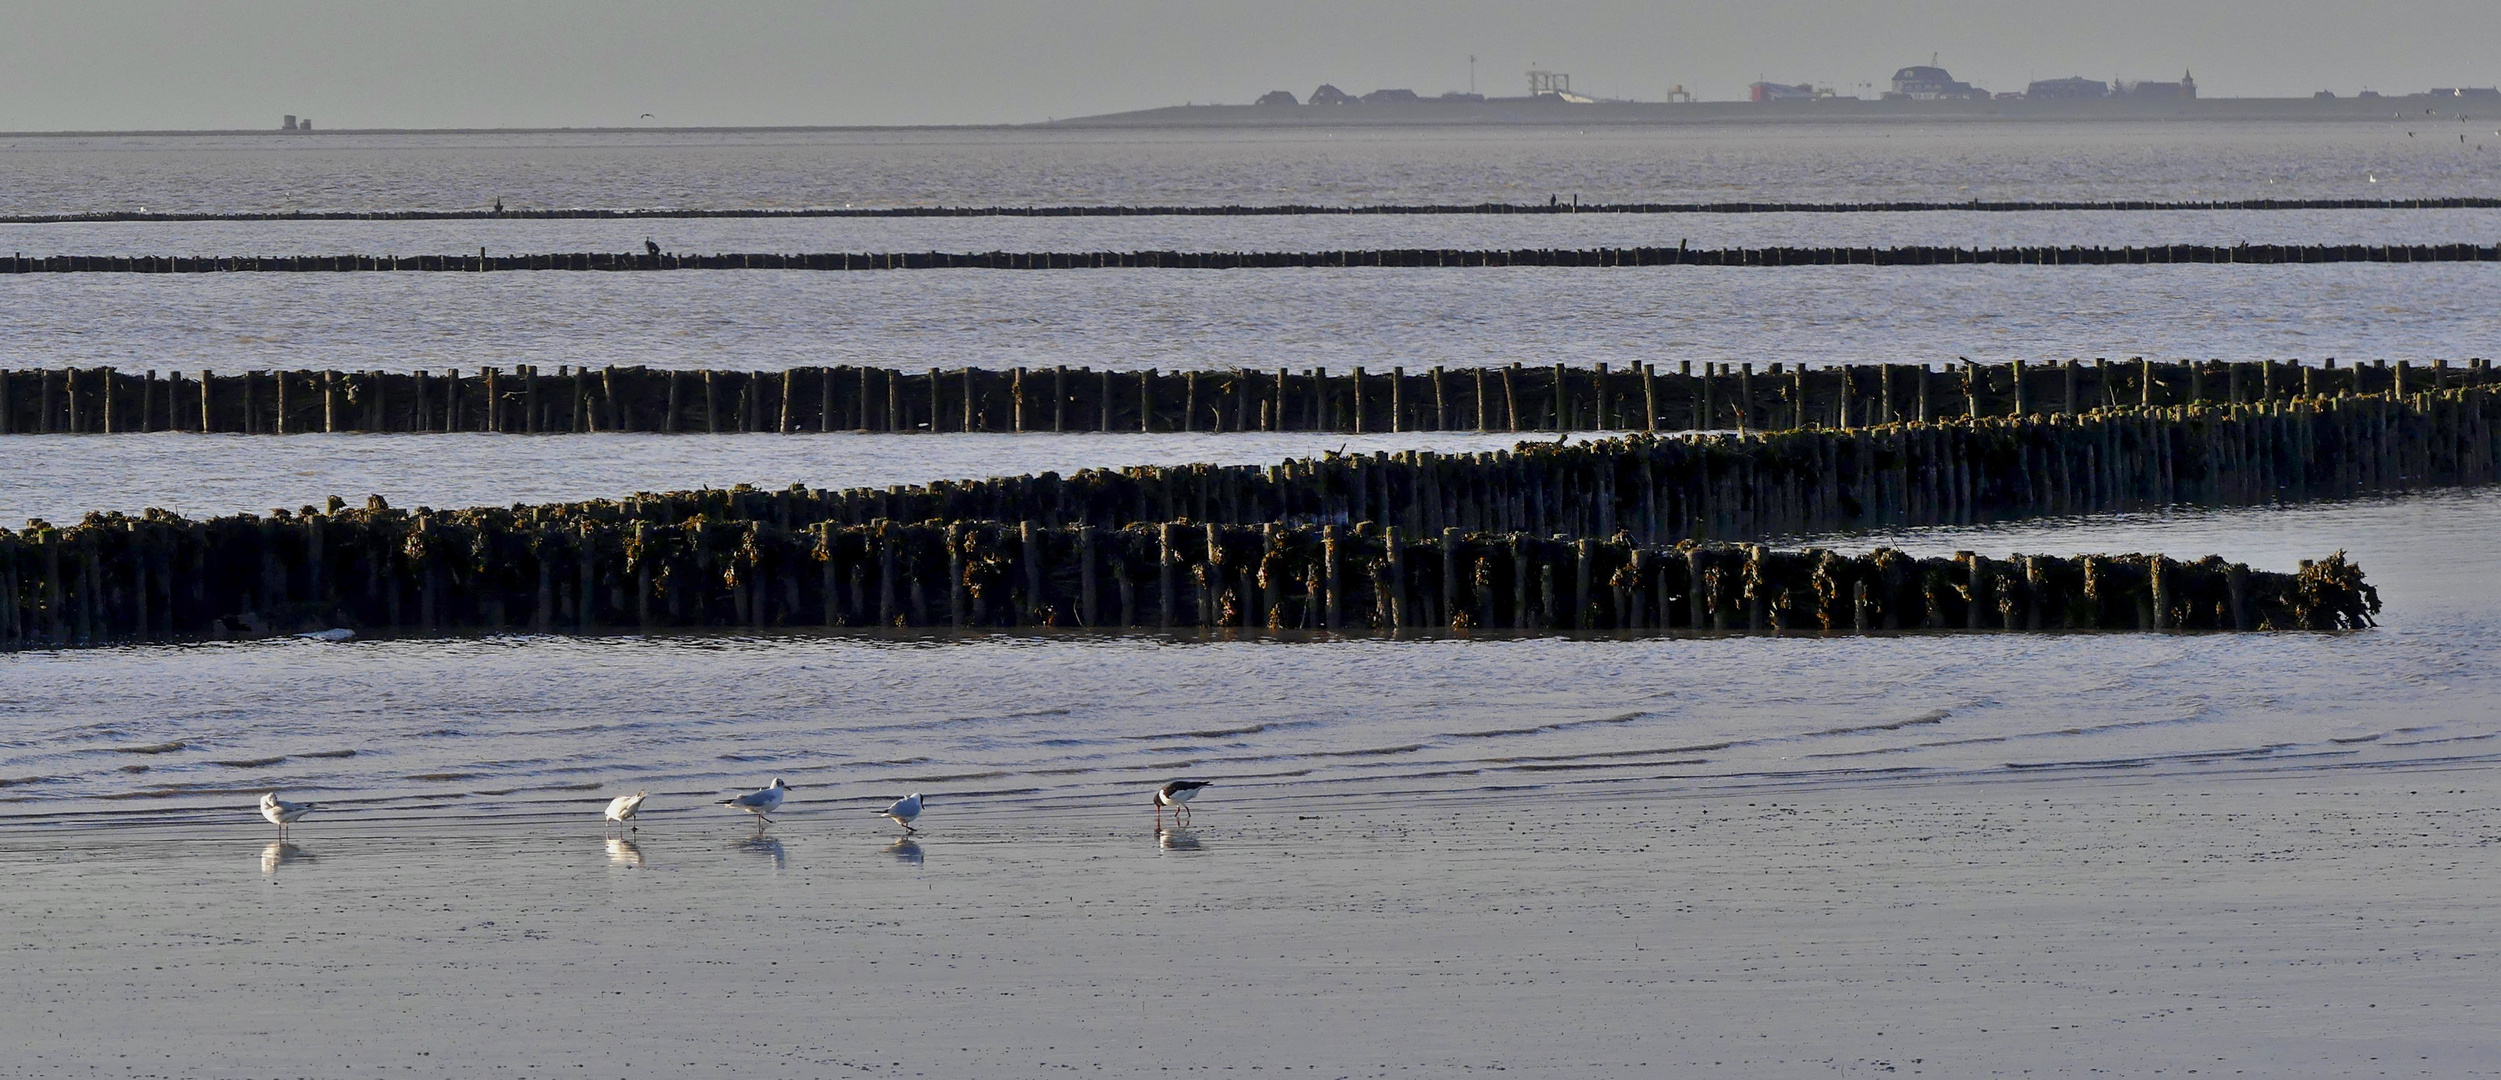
121 64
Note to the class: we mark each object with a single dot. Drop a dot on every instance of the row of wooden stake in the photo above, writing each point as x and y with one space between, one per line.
1511 398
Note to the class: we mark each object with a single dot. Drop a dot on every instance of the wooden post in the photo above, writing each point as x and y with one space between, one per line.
958 598
1059 398
825 400
936 385
972 399
1511 398
1146 400
1649 397
790 398
1397 399
1107 403
1168 565
1331 565
1016 400
1089 610
1355 409
208 408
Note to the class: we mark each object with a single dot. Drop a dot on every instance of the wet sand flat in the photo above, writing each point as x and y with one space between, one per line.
2290 923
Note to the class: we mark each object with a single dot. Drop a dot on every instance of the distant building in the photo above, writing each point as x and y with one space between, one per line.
305 124
289 125
1391 97
1766 92
2479 93
1454 95
1555 86
1330 95
2185 89
1278 97
1924 83
2068 89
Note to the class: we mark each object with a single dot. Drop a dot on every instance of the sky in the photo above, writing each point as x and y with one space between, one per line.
189 64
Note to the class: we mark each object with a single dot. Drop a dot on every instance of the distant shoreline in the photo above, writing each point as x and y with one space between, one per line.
1500 112
1541 112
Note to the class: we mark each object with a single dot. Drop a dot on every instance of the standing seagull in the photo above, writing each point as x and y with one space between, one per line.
762 801
1177 795
282 813
622 809
903 811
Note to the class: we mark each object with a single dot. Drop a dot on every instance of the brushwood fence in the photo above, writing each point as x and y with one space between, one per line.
1394 258
161 575
1510 398
154 578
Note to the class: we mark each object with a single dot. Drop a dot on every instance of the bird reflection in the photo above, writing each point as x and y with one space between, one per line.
280 854
624 852
906 851
764 845
1178 840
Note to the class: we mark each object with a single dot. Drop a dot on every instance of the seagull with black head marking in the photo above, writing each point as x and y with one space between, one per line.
1177 795
762 801
282 813
903 811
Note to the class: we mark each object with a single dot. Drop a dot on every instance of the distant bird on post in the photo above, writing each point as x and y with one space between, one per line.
651 246
903 811
282 813
1177 795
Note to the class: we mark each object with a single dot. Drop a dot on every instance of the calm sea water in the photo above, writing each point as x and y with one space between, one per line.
1183 319
548 725
977 167
551 725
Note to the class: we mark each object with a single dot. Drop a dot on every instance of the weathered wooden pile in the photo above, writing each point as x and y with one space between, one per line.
1904 255
1517 539
1511 398
1271 210
560 568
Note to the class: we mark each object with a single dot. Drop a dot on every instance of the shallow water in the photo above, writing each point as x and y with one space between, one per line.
1211 319
393 729
2143 160
2085 228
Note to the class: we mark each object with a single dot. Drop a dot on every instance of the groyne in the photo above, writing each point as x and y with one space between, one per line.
744 557
1511 398
1557 206
546 570
1408 258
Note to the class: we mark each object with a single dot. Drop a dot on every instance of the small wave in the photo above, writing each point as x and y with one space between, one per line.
329 754
445 777
1937 717
2359 738
1381 751
1212 733
251 763
1700 748
160 748
24 780
950 777
1561 725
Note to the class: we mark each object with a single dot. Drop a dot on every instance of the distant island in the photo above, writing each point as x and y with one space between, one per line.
1922 92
